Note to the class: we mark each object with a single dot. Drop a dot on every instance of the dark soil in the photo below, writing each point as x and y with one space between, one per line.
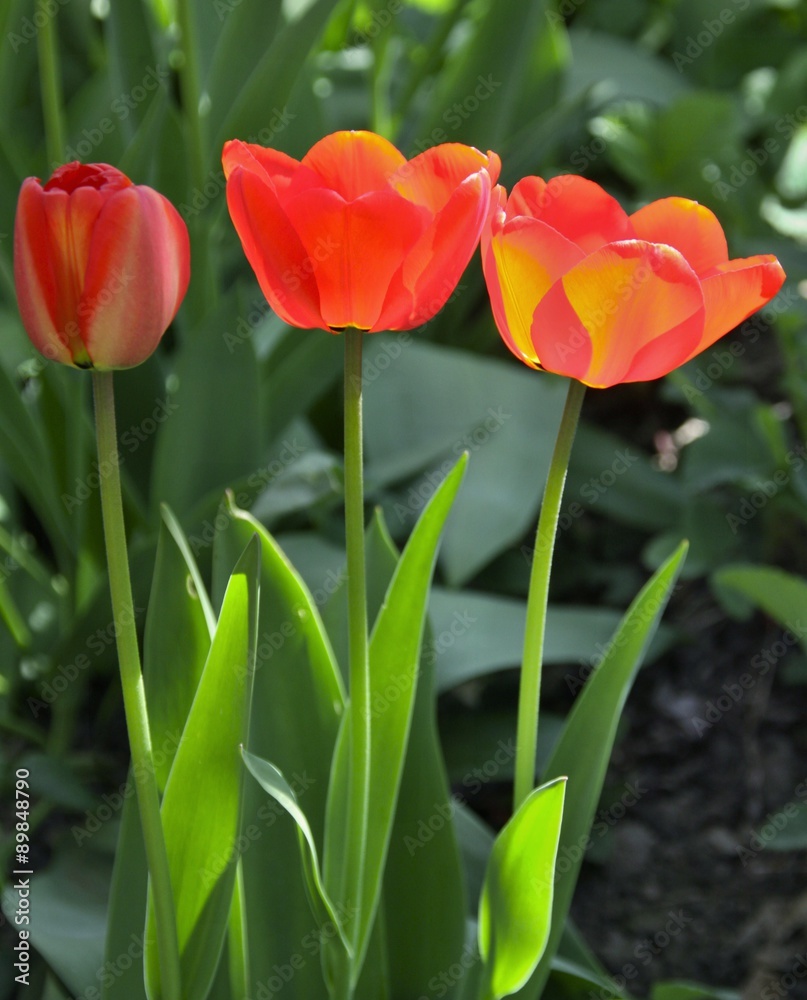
708 786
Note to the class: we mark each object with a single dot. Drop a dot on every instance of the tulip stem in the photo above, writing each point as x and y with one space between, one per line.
134 696
358 653
50 85
530 686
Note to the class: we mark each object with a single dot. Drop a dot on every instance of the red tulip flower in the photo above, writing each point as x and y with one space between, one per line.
101 266
580 288
354 235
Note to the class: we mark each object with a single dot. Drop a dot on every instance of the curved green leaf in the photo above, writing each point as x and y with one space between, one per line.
584 748
515 910
780 595
201 809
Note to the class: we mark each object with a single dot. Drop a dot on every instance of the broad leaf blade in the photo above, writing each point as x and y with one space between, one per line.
296 678
394 657
780 595
515 910
201 808
584 747
272 781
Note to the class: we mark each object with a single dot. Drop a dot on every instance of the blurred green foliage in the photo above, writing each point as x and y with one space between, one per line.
702 98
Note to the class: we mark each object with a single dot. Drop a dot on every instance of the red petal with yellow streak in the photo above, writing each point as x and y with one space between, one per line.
691 228
735 290
431 178
595 320
577 208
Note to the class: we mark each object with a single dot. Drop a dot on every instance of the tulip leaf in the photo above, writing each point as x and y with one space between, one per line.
584 747
200 434
297 705
179 624
780 595
201 809
266 90
515 910
394 656
273 782
433 403
424 894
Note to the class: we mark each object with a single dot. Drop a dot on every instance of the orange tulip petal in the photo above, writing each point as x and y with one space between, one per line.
432 177
529 257
434 265
354 163
734 291
356 256
577 208
595 320
691 228
269 163
283 267
137 275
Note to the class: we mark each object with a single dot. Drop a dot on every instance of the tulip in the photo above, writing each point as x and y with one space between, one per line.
101 266
354 235
580 288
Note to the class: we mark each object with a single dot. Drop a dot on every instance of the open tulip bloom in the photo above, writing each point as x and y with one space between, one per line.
354 235
355 239
580 288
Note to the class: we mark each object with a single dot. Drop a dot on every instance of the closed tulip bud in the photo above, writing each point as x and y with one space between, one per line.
101 266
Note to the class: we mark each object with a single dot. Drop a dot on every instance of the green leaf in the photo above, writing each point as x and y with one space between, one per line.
433 403
690 991
212 440
67 914
273 782
423 903
780 595
179 625
394 655
513 50
584 747
267 89
515 910
201 809
296 709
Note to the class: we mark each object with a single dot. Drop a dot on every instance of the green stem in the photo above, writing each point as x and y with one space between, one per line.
359 665
134 697
530 687
50 85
